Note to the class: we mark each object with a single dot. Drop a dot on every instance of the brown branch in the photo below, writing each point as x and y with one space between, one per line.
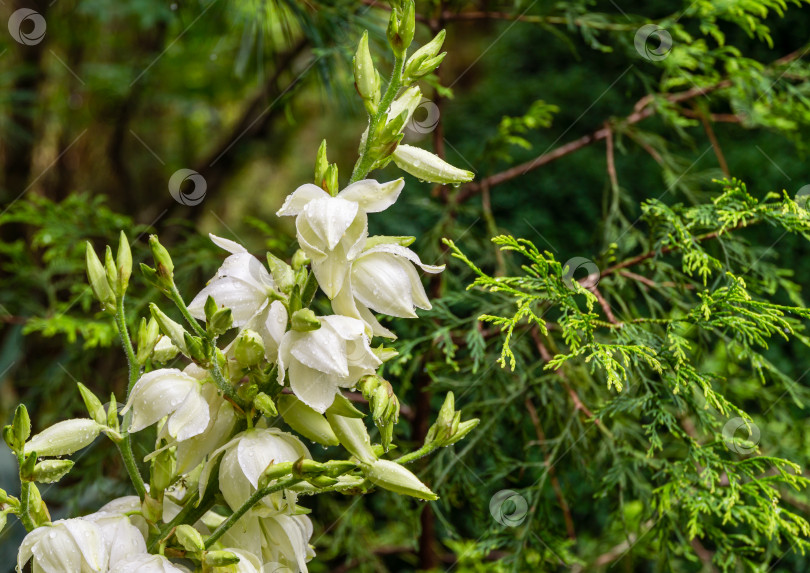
611 164
555 483
604 304
718 152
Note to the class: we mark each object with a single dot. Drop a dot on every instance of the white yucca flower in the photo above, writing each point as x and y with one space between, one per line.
320 361
333 230
281 541
383 278
90 544
169 392
146 563
244 285
244 459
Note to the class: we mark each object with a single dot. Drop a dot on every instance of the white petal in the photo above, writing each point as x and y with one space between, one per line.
315 389
233 483
28 545
322 350
222 419
376 328
271 325
284 354
247 268
148 564
372 196
329 218
230 246
260 447
406 253
156 395
331 272
205 475
345 327
381 282
87 537
289 536
299 198
191 418
243 299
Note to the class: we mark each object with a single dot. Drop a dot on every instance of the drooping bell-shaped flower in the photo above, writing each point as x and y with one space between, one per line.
333 230
280 540
221 421
169 392
320 361
146 563
383 278
245 458
90 544
245 286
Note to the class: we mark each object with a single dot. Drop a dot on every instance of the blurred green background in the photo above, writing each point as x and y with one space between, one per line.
97 116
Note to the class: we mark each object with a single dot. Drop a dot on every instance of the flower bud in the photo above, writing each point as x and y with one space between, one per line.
321 164
50 471
148 335
97 277
365 75
401 30
164 350
191 540
248 349
264 404
112 418
305 420
21 425
304 320
162 471
196 348
93 404
462 430
123 262
426 166
282 273
170 328
343 407
111 270
163 261
388 240
275 471
332 184
64 438
38 509
353 436
221 558
151 509
392 476
299 260
425 59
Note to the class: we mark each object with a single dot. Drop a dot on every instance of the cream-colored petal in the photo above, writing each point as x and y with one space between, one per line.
315 389
298 199
372 196
231 246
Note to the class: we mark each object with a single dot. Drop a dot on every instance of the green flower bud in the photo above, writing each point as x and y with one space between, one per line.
304 320
162 471
425 59
27 466
365 75
393 477
300 259
307 467
400 31
97 277
445 417
335 468
306 421
462 430
111 270
197 348
388 240
248 348
353 436
124 263
191 540
64 437
165 350
264 404
39 511
282 273
321 164
426 166
322 481
332 184
151 509
274 472
163 261
50 471
342 406
112 417
221 558
21 426
93 404
170 328
148 335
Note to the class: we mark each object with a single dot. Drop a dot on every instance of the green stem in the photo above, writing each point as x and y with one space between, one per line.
365 162
180 518
251 501
415 455
177 298
25 502
125 446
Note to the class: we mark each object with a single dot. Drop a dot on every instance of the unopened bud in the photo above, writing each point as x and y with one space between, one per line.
170 328
124 263
64 438
365 75
97 277
148 335
162 470
190 539
425 59
248 349
321 165
165 350
353 436
305 420
163 261
304 320
93 404
283 275
392 476
299 260
50 471
221 558
426 166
